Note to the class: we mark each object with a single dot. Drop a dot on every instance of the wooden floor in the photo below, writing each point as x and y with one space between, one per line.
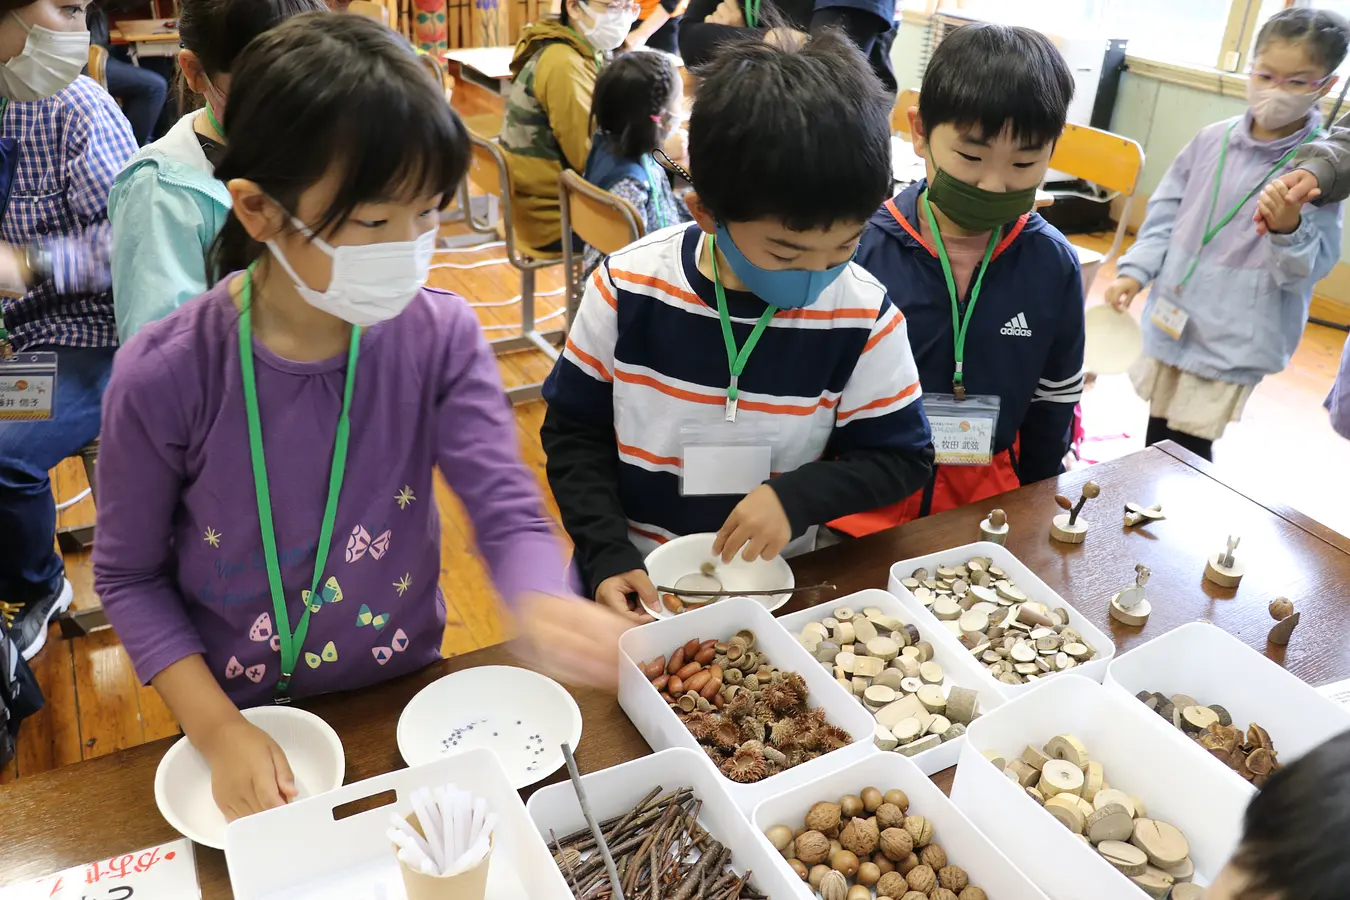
95 706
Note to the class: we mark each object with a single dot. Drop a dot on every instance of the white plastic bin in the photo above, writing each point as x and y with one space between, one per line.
614 791
1026 580
957 664
966 847
1139 755
301 852
662 729
1212 666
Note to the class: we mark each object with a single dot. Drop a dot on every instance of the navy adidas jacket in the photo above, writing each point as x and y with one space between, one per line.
1025 344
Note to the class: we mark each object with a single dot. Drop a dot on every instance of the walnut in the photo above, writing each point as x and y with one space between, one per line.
892 884
941 893
914 895
812 848
973 893
834 886
896 843
824 817
921 879
860 836
933 856
890 816
920 829
953 878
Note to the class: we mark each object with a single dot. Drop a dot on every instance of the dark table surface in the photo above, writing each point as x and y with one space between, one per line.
103 807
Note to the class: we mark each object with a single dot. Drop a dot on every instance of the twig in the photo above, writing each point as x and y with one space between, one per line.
590 820
566 865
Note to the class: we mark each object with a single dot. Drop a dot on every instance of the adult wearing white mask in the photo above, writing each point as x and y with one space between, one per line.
62 140
548 113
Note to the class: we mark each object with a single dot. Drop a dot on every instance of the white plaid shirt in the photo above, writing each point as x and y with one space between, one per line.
71 146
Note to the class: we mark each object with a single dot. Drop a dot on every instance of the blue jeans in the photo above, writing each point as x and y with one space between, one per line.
30 567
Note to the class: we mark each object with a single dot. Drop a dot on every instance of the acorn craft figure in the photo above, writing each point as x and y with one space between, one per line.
995 527
1224 568
1068 527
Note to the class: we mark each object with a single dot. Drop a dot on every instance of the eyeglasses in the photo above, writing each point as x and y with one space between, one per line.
1264 79
621 6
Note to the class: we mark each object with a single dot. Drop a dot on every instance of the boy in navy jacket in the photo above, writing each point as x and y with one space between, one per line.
992 293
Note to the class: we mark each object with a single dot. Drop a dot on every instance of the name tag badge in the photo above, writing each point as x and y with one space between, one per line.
724 458
1169 317
28 386
963 430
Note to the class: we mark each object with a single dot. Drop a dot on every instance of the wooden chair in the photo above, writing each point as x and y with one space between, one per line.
370 10
81 622
98 65
1105 159
490 172
900 112
599 218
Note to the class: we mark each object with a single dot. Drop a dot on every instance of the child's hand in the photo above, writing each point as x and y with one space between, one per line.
249 772
677 146
759 524
613 593
574 641
1121 292
727 13
1275 212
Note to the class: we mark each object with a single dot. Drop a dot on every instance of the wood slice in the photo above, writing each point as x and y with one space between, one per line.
919 746
1183 871
961 704
1135 616
945 608
1066 810
1093 779
996 535
1023 652
864 630
1164 843
911 685
1026 775
904 708
1222 576
908 665
884 739
889 678
1279 635
878 695
868 666
1067 747
974 622
1110 823
931 673
1061 531
939 725
1187 892
1130 860
1060 777
883 648
1195 719
1107 796
1154 882
1034 758
906 730
930 695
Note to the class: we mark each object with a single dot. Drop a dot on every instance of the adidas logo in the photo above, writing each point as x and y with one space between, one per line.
1016 327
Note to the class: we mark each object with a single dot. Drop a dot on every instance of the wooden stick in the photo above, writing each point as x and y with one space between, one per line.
590 820
661 589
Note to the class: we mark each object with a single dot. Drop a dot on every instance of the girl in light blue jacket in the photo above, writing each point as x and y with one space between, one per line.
166 206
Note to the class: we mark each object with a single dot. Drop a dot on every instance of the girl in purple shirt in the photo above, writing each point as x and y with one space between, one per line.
267 526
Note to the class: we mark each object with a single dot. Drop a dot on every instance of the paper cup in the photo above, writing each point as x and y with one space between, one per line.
470 884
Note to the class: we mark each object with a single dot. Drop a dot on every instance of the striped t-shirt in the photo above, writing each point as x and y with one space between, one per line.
646 354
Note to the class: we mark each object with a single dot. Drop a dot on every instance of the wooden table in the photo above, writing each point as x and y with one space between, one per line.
104 807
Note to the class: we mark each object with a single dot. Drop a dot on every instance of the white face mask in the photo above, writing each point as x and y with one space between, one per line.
371 282
1274 107
50 61
608 29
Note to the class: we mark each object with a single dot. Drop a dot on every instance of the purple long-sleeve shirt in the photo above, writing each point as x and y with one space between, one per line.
179 561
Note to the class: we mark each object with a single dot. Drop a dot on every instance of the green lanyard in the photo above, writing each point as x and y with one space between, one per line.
290 642
752 13
959 326
595 54
736 360
215 123
658 196
1211 229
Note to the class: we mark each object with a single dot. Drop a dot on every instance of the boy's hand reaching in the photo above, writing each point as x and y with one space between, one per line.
249 772
1276 210
727 13
573 640
758 524
613 592
1121 292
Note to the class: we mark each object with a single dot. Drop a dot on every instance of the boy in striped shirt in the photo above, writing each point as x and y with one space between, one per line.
741 375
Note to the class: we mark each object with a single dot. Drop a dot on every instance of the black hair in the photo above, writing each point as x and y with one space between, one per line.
1325 34
217 31
632 99
1294 838
993 77
798 134
323 90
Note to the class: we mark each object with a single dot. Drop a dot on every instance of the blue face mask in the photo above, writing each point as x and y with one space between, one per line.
783 288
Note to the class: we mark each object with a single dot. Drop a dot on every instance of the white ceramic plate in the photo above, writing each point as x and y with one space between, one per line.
1114 341
519 715
683 556
183 780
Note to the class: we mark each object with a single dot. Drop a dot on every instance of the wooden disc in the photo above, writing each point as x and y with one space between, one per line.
911 685
1034 758
1187 891
864 630
930 695
961 704
1067 747
883 648
974 622
1110 823
1093 779
939 725
1182 871
1060 777
1066 810
945 608
931 673
878 695
1107 796
1135 617
907 730
1198 718
1154 882
1130 860
1061 531
1222 576
1023 652
1165 844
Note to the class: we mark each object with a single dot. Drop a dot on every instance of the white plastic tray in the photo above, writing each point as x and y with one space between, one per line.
1140 754
1212 666
614 791
301 852
958 665
662 729
1026 580
966 847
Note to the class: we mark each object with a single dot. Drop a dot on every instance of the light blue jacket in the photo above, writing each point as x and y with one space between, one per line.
1248 297
166 208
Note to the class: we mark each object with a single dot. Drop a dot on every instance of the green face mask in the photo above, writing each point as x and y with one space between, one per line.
974 208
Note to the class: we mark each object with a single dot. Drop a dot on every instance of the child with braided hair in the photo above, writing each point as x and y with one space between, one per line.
634 111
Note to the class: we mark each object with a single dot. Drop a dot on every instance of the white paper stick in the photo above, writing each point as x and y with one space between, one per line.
416 862
464 821
479 815
449 839
422 806
404 827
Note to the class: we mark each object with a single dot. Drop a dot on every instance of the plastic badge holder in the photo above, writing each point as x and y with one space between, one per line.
615 791
959 666
1025 580
1207 663
966 847
1139 754
662 729
302 852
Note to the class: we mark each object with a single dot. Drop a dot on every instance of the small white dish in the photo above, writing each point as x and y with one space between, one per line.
686 555
521 716
1114 341
183 779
